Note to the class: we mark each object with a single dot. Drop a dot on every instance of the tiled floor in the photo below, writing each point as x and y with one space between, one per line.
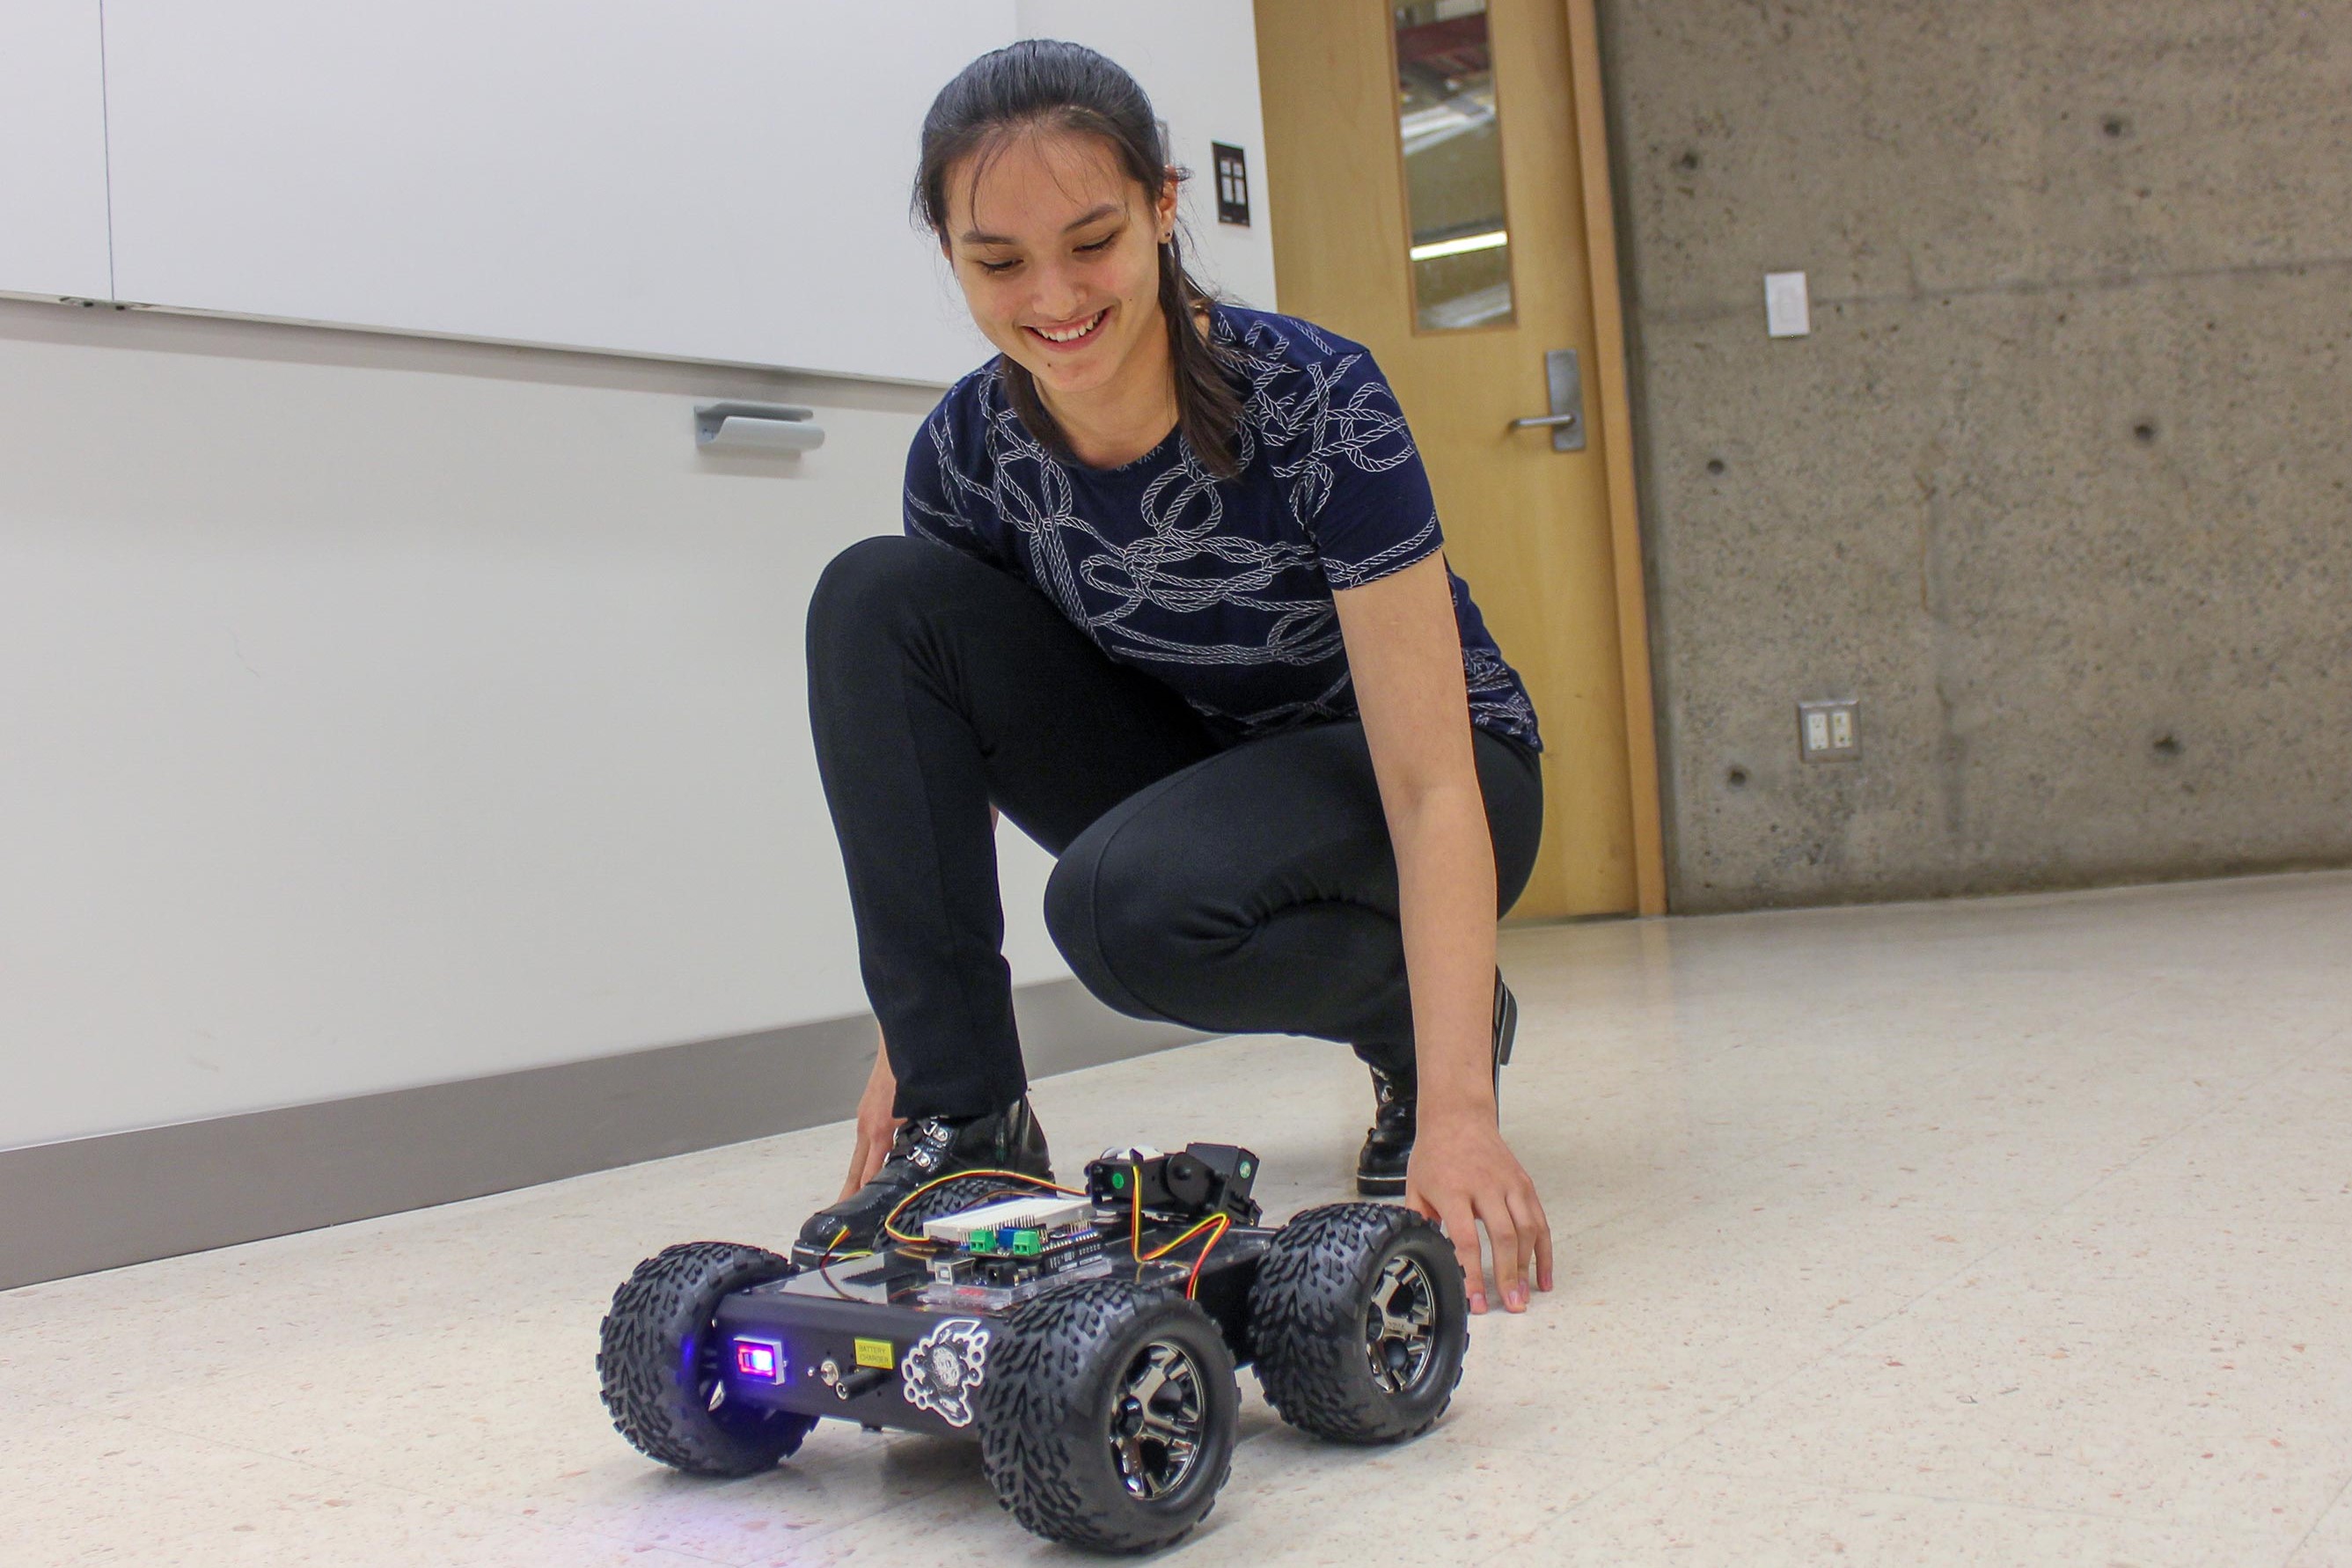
2011 1232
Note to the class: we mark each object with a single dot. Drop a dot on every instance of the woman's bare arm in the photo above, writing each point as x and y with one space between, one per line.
1404 653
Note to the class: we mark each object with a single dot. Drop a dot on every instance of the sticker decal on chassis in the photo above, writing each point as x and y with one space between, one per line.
944 1369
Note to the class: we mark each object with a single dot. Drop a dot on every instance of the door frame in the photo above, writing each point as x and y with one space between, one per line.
1608 386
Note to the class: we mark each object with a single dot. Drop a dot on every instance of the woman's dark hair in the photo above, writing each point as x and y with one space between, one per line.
1045 84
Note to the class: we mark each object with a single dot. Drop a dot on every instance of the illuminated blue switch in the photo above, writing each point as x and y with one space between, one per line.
759 1360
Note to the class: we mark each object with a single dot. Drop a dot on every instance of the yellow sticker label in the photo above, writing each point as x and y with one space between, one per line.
875 1353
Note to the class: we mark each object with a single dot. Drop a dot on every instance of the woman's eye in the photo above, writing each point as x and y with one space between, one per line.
998 266
1102 243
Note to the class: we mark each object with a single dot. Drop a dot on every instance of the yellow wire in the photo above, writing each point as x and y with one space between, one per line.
1135 1221
826 1260
891 1231
1160 1252
1223 1222
1193 1281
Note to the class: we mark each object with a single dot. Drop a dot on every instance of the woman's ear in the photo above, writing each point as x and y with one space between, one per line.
1164 209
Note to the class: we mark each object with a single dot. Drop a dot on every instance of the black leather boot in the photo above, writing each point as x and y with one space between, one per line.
1388 1144
925 1150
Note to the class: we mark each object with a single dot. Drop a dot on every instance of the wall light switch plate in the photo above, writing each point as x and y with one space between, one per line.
1829 732
1233 183
1787 310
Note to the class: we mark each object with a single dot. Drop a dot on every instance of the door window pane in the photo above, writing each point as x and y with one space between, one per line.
1459 249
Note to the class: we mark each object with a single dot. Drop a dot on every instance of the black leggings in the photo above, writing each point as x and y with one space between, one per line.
1238 889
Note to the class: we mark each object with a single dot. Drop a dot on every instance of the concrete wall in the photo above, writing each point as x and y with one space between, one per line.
2059 486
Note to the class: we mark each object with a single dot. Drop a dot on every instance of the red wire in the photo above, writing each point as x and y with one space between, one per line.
1193 1281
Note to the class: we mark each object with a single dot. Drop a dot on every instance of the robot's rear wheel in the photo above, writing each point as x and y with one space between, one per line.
660 1362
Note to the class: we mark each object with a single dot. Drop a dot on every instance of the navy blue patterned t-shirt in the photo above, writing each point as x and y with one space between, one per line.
1221 589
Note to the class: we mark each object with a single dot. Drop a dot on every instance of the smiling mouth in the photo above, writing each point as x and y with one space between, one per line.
1071 337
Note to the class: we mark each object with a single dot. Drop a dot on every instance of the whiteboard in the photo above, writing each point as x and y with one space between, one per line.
52 151
696 179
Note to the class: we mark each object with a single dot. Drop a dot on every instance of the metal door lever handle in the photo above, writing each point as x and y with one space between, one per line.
1565 384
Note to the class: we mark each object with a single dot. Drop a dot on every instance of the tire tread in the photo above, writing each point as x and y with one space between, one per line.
1306 1326
1039 1367
639 1349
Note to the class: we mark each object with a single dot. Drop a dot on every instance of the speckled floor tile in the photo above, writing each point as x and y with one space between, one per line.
1696 1520
2010 1232
2029 1404
2329 1544
103 1489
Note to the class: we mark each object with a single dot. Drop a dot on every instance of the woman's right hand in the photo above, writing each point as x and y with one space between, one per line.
877 1127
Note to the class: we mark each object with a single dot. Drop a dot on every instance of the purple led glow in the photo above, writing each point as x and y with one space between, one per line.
762 1359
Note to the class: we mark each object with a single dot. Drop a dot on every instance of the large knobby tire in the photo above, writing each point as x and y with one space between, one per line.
1107 1417
660 1363
1359 1323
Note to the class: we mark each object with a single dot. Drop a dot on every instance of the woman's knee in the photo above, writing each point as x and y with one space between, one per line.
1111 924
888 591
872 577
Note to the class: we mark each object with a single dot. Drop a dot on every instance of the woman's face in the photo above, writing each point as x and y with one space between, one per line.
1058 253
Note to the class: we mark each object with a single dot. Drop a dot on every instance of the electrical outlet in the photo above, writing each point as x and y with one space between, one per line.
1829 732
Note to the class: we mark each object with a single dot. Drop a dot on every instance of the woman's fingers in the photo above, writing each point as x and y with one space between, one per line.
1467 1178
1535 1228
1461 1223
856 1176
1510 1271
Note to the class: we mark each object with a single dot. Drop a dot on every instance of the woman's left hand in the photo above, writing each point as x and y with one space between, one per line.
1462 1175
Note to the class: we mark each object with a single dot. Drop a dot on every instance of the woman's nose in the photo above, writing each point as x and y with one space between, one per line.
1055 295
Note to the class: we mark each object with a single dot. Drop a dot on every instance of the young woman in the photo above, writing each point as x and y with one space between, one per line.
1171 597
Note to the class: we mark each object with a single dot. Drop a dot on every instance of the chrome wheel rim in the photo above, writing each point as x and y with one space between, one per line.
1401 1326
1158 1421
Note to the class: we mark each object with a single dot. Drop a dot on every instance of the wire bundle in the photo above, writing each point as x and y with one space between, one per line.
1216 1225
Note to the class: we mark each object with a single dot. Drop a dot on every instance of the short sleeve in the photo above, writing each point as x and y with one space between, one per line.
936 499
1366 499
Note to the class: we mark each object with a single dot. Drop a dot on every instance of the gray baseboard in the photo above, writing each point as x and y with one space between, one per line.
89 1204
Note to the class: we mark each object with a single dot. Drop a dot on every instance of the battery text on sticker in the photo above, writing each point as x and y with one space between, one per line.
876 1353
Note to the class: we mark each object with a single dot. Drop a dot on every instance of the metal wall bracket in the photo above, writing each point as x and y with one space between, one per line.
769 426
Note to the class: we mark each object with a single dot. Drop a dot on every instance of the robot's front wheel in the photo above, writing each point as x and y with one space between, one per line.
659 1361
1108 1418
1359 1321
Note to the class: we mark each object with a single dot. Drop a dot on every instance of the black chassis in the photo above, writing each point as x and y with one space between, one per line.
819 1315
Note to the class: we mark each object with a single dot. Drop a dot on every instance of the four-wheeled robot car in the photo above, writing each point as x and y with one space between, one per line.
1088 1340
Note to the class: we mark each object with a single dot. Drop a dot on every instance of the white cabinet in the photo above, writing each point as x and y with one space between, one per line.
52 149
701 179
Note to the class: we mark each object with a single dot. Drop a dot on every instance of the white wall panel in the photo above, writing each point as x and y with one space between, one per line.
704 179
52 151
380 713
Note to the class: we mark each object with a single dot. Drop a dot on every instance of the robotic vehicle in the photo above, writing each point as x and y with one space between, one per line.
1088 1338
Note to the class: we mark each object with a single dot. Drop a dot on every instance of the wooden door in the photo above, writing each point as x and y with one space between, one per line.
1460 309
